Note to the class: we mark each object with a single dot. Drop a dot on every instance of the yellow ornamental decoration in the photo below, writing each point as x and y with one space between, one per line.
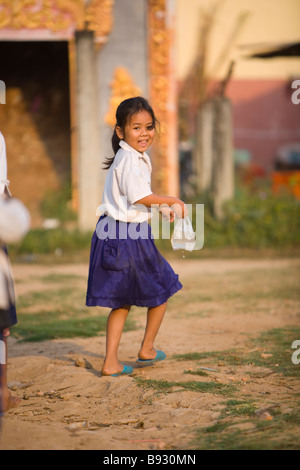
122 87
58 15
159 47
100 18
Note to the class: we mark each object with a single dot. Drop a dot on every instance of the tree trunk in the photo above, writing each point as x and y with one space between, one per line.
223 167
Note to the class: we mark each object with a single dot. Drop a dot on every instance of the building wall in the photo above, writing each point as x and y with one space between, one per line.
260 89
264 118
267 22
126 48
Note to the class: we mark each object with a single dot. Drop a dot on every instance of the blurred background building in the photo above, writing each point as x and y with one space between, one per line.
218 73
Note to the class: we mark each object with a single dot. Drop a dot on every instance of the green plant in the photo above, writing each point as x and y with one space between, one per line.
256 219
56 204
41 241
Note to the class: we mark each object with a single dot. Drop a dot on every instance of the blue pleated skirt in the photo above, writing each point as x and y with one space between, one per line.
126 268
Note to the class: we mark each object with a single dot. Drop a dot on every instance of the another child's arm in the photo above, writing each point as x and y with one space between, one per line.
177 206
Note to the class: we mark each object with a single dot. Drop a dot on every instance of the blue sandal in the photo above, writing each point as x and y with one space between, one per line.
126 371
160 356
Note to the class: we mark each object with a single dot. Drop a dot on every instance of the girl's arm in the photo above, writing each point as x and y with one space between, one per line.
176 204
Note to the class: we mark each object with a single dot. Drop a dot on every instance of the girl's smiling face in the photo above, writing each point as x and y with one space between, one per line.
139 131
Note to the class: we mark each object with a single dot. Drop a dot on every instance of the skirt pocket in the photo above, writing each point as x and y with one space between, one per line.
113 255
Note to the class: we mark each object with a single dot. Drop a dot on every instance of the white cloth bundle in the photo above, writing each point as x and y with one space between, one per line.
183 237
14 220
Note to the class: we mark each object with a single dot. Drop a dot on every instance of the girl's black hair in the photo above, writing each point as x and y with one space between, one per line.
125 110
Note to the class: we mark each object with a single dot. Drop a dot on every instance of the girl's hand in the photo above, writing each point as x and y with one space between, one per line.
167 213
180 208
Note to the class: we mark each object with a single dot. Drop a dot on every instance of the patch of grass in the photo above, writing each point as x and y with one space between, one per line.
59 313
195 356
292 418
193 386
240 408
238 427
196 372
49 324
282 433
277 342
217 427
270 349
231 357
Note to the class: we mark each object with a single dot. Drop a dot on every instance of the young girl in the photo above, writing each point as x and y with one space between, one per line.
125 266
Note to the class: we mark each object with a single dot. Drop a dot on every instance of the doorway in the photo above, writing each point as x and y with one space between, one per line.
35 120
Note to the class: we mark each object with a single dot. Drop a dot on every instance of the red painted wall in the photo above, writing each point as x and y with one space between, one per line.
264 117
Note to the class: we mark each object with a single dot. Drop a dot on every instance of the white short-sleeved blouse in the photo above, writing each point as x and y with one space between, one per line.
128 180
3 165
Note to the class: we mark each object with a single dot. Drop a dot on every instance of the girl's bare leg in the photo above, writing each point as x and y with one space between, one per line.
7 401
114 329
155 317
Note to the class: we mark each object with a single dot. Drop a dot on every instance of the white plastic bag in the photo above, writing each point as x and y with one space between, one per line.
183 237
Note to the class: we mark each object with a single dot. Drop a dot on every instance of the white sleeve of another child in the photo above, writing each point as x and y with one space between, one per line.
131 182
3 164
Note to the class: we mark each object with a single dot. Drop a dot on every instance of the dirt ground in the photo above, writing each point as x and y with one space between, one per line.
66 404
